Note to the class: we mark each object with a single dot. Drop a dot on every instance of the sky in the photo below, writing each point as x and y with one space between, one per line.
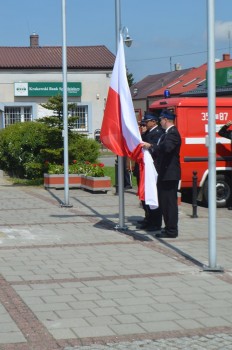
164 33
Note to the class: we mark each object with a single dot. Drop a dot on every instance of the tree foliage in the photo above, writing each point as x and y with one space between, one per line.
26 148
55 104
130 78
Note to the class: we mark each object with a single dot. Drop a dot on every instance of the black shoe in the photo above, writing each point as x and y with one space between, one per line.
166 235
148 227
169 231
143 225
152 228
127 187
142 221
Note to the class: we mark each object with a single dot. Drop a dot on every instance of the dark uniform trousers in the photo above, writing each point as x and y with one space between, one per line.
167 191
153 216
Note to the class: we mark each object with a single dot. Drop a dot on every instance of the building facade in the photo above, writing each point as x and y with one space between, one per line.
29 76
185 82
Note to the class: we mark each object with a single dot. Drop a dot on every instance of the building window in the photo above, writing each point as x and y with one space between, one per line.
82 113
17 115
27 114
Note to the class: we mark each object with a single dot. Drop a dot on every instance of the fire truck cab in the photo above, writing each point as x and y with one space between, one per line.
192 123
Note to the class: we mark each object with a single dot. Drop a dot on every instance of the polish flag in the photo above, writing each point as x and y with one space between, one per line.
120 132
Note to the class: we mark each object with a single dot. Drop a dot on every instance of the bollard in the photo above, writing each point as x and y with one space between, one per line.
116 175
230 199
194 195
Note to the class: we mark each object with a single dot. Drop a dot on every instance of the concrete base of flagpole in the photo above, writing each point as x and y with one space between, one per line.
123 228
63 205
213 269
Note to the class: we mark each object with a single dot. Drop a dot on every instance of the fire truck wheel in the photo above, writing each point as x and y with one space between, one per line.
223 191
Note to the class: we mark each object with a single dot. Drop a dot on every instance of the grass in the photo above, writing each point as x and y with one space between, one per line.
110 171
25 182
105 152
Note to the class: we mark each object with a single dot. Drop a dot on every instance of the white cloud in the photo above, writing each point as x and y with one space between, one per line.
223 30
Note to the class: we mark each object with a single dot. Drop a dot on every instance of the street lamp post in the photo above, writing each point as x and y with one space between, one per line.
119 163
65 108
128 41
127 38
212 142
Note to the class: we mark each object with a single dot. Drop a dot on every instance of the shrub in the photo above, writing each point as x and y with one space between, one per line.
81 148
21 144
33 170
25 148
85 168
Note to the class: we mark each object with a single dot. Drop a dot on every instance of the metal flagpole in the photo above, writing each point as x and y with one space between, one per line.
65 108
121 224
211 142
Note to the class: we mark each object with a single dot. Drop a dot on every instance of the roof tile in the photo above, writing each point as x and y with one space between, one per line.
49 57
151 83
190 80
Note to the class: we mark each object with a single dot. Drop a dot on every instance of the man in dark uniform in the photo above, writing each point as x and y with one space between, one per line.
169 174
153 217
224 132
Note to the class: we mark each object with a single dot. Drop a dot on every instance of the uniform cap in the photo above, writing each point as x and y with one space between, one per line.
167 114
149 116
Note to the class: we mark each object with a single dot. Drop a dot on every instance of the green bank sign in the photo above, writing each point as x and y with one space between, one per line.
46 89
224 76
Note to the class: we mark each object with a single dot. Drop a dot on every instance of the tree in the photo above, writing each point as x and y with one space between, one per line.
55 104
130 78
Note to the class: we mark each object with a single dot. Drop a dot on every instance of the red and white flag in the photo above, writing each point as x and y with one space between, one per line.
120 132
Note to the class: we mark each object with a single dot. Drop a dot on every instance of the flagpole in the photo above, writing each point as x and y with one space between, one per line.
121 224
212 143
65 108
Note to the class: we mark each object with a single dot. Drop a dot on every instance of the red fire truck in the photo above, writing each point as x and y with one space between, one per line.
192 123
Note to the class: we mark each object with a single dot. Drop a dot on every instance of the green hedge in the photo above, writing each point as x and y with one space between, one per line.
25 148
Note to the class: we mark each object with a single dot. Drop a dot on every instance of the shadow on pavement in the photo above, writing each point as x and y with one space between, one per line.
181 253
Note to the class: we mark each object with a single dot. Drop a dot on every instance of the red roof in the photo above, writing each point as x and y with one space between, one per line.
50 57
189 81
152 83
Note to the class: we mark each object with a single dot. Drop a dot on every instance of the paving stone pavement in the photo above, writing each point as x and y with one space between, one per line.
211 342
70 280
